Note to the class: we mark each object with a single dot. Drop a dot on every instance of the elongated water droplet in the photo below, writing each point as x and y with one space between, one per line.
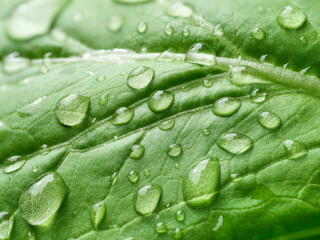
97 214
180 10
133 176
257 96
258 34
140 77
132 1
174 150
114 178
269 120
177 234
116 23
41 200
72 109
160 101
236 143
291 18
206 132
168 29
122 116
30 109
200 53
147 199
137 151
167 125
295 149
4 130
142 27
101 78
13 158
180 216
103 99
33 18
201 184
303 40
14 166
226 106
12 63
160 228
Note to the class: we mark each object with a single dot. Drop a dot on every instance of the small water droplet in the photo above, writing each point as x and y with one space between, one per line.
207 83
122 116
295 149
179 10
257 96
101 78
180 216
167 125
6 224
30 109
133 176
140 77
160 101
226 106
31 236
291 18
206 132
35 169
201 184
176 165
161 228
146 172
174 150
147 199
97 214
200 53
103 99
142 27
116 23
258 34
177 234
114 178
263 58
14 166
41 200
13 63
168 29
235 143
44 69
269 120
303 40
4 130
186 32
137 151
219 30
303 71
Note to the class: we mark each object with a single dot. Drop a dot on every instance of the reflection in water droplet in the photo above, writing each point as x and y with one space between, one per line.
180 216
226 106
97 214
137 151
258 34
133 176
257 96
116 22
200 53
291 18
160 101
122 116
103 99
4 130
142 27
14 166
167 125
177 234
269 120
174 150
147 199
295 149
235 143
161 228
168 29
140 77
180 10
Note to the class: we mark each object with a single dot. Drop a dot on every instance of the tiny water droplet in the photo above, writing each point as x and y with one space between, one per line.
174 150
206 132
161 228
101 78
176 165
4 130
235 143
303 40
116 22
140 77
160 101
30 109
122 116
177 234
137 151
41 200
180 216
291 18
258 34
257 96
186 32
146 172
179 10
142 27
269 120
200 53
72 109
114 178
201 184
133 176
12 63
97 214
14 166
147 199
35 169
167 125
295 149
103 99
168 29
226 106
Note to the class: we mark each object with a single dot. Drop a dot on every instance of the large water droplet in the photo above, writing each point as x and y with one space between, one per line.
137 151
133 176
6 224
174 150
116 23
122 116
258 34
269 120
12 63
179 9
168 29
72 109
161 228
291 18
200 53
4 130
295 149
180 216
201 183
147 199
167 125
236 143
14 166
226 106
97 214
132 1
160 101
103 99
140 77
177 234
142 27
30 109
33 18
257 96
39 203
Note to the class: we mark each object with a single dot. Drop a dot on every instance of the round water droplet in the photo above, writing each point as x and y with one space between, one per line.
133 176
180 216
72 109
236 143
122 116
97 214
114 178
6 224
147 199
160 101
258 34
167 125
41 200
142 27
186 32
180 10
168 29
303 40
146 172
226 106
4 130
140 77
174 150
269 120
161 228
176 165
177 234
295 149
291 18
116 23
137 151
14 166
103 99
200 53
201 184
206 132
101 78
257 96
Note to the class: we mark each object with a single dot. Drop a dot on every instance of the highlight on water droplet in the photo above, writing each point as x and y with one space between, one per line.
41 201
177 234
179 10
201 184
295 149
174 150
258 34
97 214
6 225
200 53
133 176
4 130
137 151
116 22
160 101
140 77
269 120
235 143
226 106
122 116
14 167
257 96
160 228
180 216
291 18
168 30
147 199
142 27
167 125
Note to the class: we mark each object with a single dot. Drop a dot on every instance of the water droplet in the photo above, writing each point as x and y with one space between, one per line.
219 224
177 234
41 200
160 101
176 165
303 71
44 69
133 176
207 83
186 32
146 172
6 224
200 53
13 158
30 109
35 169
303 40
116 23
122 116
31 236
97 214
180 10
167 125
180 216
174 150
101 78
295 149
161 228
291 18
14 166
140 77
114 178
206 132
103 99
257 96
147 199
4 130
258 34
226 106
33 18
201 184
236 143
137 151
269 120
132 1
142 27
12 63
219 30
168 29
